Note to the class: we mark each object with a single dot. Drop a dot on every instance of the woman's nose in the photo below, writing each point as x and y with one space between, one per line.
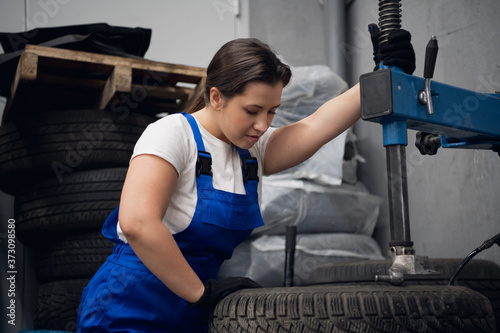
262 123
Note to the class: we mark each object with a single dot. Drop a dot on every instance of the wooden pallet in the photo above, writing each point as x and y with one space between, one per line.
50 79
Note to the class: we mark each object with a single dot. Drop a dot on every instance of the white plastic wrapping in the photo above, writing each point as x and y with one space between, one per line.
351 159
309 88
263 259
317 209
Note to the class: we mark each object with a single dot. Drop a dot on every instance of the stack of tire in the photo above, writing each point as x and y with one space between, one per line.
66 170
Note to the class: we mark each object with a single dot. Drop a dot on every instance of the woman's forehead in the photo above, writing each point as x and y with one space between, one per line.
262 94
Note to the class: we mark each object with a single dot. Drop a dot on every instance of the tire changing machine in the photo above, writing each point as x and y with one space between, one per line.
445 116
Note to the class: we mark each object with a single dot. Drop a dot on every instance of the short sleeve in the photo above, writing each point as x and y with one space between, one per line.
166 138
259 149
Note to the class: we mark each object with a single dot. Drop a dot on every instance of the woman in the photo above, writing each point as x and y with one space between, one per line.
191 194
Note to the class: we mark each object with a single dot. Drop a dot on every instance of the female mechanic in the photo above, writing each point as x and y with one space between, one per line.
191 194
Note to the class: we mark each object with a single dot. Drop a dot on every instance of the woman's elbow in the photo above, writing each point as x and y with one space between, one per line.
131 227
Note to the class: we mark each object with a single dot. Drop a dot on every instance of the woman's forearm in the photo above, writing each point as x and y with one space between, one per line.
336 115
144 201
293 144
158 250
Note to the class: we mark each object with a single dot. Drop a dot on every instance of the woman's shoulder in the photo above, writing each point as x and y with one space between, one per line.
175 122
167 137
172 127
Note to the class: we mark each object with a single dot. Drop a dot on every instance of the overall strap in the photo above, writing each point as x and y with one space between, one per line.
204 162
196 131
250 169
249 166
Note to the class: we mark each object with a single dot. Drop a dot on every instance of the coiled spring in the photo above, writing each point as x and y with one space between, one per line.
389 17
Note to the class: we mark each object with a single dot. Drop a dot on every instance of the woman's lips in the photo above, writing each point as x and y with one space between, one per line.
253 138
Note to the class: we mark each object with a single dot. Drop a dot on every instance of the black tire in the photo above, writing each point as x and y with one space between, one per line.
73 257
482 276
55 144
365 271
356 308
57 305
82 202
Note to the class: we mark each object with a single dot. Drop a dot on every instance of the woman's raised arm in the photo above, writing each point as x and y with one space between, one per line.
293 144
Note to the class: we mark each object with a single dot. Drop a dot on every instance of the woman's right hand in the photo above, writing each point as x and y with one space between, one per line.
217 290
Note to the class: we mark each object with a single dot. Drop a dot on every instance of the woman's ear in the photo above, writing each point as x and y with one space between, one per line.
216 99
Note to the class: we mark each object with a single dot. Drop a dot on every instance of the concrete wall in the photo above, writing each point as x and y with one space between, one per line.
455 195
287 26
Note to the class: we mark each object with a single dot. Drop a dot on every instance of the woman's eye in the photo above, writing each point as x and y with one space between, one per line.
251 112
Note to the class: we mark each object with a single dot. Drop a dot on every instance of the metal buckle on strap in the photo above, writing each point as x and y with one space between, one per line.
204 164
250 169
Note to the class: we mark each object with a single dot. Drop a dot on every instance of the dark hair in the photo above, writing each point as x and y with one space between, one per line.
238 63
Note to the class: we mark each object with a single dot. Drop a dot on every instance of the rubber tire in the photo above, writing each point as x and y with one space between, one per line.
82 202
482 276
73 257
57 305
353 308
55 144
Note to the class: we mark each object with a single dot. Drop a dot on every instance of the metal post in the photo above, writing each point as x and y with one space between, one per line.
399 216
291 235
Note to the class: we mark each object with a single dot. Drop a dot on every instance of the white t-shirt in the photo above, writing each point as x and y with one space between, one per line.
172 139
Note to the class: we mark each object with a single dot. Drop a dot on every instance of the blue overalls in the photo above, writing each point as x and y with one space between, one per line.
124 296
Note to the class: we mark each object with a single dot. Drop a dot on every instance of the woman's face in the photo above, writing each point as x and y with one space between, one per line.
246 117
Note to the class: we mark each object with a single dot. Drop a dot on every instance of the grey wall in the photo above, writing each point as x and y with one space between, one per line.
455 195
287 26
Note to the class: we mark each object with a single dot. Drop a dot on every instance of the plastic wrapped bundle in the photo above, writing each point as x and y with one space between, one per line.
263 259
317 209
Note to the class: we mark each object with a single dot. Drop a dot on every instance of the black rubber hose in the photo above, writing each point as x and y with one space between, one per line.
486 245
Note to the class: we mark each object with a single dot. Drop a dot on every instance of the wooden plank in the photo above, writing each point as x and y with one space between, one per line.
114 60
27 67
120 80
26 70
163 92
50 78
